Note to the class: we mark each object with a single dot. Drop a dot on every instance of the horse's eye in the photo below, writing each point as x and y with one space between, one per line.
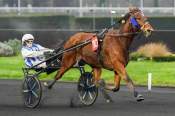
138 17
145 18
142 14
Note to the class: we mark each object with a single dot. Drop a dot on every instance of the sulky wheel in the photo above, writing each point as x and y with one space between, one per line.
88 91
32 91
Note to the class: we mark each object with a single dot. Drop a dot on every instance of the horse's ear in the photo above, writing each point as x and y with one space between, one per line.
130 9
133 9
123 21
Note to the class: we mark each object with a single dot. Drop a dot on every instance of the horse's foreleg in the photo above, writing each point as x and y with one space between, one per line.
130 84
116 86
120 69
97 75
117 80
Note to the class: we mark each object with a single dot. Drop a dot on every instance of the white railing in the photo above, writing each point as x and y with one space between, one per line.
89 11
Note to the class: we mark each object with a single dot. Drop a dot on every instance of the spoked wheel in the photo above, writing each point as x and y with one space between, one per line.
88 91
32 91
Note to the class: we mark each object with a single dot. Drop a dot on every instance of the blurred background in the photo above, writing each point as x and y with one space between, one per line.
52 21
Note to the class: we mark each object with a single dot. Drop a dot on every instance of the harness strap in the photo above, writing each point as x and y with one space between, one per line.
99 53
100 37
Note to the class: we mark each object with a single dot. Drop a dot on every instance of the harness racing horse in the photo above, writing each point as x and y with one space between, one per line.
114 51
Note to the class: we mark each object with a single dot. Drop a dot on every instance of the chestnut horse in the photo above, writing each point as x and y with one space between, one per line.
114 51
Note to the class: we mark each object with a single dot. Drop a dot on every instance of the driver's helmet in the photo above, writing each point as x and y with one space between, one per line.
27 37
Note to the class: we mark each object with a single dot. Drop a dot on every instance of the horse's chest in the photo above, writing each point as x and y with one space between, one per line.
111 56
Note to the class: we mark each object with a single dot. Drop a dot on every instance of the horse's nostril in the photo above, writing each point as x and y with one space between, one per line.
149 30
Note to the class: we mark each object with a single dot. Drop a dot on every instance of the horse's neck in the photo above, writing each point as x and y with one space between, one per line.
126 40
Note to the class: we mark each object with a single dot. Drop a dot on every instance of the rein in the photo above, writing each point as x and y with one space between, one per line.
123 34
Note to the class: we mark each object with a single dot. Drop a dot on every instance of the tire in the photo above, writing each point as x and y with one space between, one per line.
87 90
32 91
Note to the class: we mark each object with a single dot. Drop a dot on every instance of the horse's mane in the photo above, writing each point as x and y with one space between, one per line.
90 31
126 17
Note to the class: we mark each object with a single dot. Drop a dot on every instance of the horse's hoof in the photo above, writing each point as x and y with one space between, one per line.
102 83
109 101
115 89
139 98
47 85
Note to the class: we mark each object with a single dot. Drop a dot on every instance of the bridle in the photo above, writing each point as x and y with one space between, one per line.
134 23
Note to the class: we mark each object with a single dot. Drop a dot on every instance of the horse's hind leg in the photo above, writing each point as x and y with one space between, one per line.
101 84
69 59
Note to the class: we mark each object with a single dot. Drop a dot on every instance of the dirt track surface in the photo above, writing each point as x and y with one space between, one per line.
56 102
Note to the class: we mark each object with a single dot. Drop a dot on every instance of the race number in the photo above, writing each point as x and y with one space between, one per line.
94 43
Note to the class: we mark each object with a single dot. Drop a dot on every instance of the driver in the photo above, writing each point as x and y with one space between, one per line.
33 53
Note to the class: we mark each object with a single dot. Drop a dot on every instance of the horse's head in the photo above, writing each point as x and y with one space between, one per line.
138 21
